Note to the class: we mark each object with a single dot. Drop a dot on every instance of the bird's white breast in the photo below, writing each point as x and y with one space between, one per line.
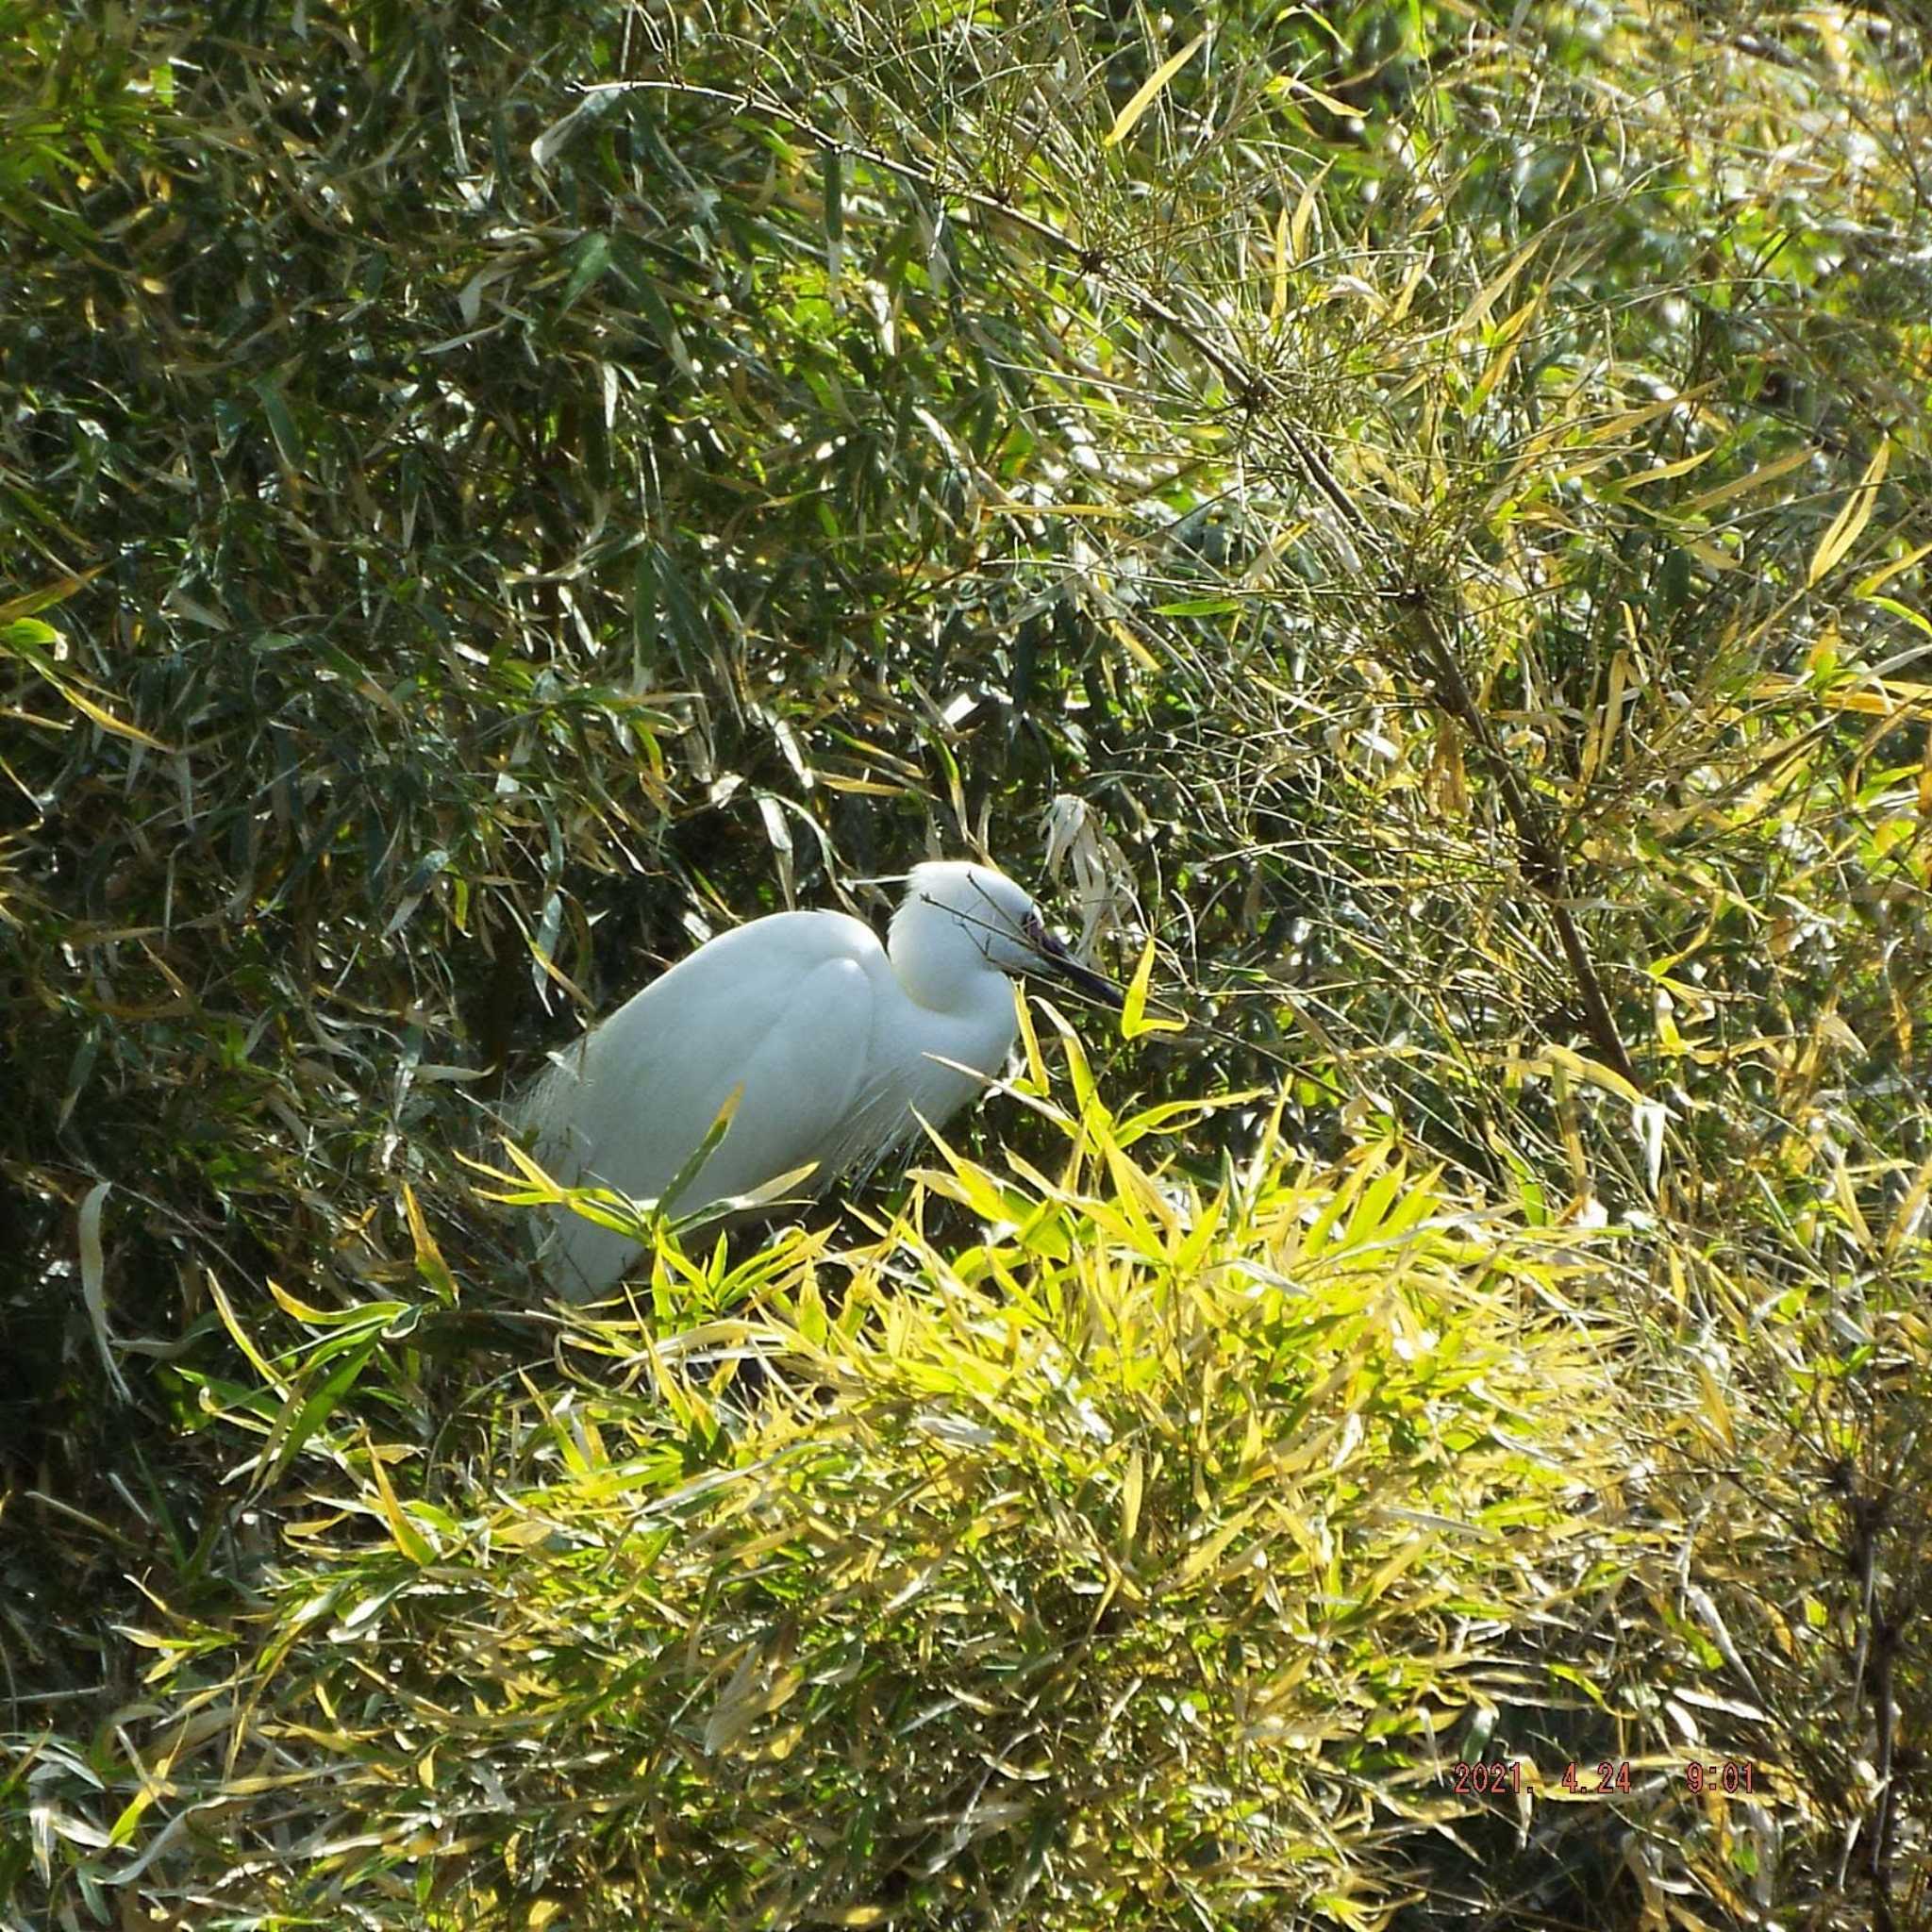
800 1021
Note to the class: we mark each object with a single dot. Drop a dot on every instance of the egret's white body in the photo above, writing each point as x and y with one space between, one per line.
840 1044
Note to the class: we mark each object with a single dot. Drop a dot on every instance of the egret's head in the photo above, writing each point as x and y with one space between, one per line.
956 912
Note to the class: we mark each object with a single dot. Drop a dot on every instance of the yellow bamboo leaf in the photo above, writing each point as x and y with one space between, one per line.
1149 92
864 788
1278 308
1882 698
1905 1221
1406 1558
1289 84
1663 472
1597 752
435 1270
406 1535
1507 337
1594 1072
1134 1019
1569 472
1406 295
1132 646
1304 216
1903 1024
1204 1553
1717 1411
1614 426
1107 511
104 718
1478 310
1742 486
1851 521
57 592
1905 613
1847 1198
1885 572
241 1338
1670 1041
1135 1485
765 1681
1035 1081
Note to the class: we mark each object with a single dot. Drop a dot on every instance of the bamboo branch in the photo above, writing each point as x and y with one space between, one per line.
1543 861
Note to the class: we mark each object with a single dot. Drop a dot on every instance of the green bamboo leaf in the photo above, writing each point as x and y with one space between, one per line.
833 165
592 258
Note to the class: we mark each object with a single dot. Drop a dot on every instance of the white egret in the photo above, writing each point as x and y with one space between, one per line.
836 1042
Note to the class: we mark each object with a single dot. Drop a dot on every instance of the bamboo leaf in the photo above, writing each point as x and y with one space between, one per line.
1149 92
1851 521
1329 104
406 1537
1278 306
1478 310
592 257
832 166
1867 585
47 595
1742 486
1662 473
1508 337
1134 1020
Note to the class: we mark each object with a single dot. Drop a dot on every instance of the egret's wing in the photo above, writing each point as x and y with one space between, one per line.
782 1008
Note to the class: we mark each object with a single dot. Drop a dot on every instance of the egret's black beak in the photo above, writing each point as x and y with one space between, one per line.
1096 986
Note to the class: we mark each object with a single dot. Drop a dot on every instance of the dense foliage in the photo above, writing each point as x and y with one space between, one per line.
1416 511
